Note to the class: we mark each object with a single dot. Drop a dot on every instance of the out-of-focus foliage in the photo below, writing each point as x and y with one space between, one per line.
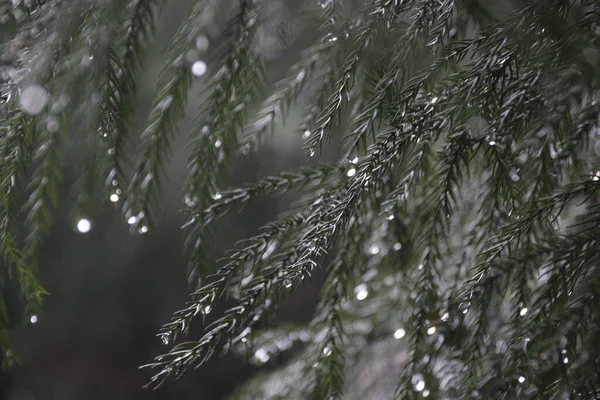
458 228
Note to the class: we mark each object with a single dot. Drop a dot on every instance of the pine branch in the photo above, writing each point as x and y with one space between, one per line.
280 183
166 111
248 253
328 361
285 95
14 149
378 11
236 85
254 301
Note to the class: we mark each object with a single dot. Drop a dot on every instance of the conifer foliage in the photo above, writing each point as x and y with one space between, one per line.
460 225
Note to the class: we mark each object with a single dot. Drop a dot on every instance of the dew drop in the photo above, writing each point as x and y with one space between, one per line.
261 355
52 124
114 197
374 249
33 99
431 330
351 172
326 351
565 360
418 382
514 175
33 319
84 225
306 134
199 68
445 316
399 333
464 307
361 291
522 159
521 379
523 311
144 229
202 43
287 283
217 196
86 60
165 339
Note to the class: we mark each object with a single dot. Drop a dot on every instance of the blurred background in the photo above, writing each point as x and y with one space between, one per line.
110 291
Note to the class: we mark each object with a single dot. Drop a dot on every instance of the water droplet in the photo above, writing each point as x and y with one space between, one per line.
287 283
565 360
523 311
33 99
52 124
374 249
492 143
418 382
420 267
114 197
399 333
445 316
522 159
84 225
431 330
326 351
397 246
390 217
434 100
217 196
596 176
202 43
111 151
199 68
514 175
33 319
86 60
207 310
261 355
426 393
361 291
164 338
306 134
312 153
132 220
144 229
218 143
351 172
521 379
